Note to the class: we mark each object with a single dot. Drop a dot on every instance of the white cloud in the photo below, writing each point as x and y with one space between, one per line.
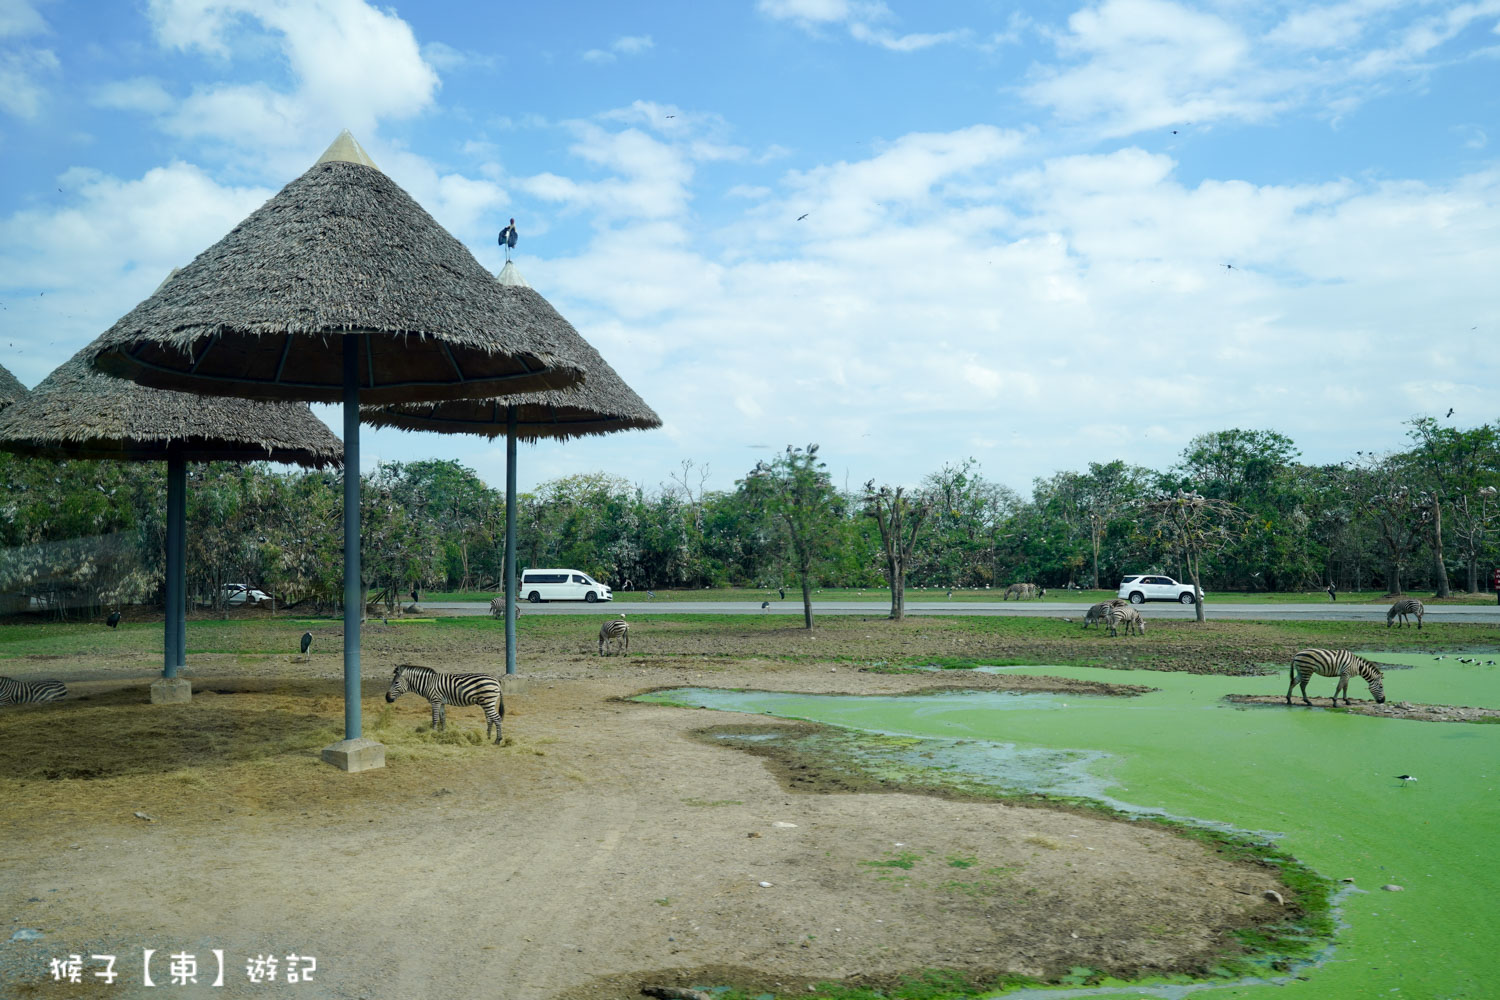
18 19
22 71
351 65
141 93
629 45
862 19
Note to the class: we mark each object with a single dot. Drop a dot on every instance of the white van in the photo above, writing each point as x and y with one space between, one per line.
538 585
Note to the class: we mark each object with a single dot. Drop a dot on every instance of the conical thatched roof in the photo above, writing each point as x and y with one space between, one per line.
340 250
11 388
77 412
599 406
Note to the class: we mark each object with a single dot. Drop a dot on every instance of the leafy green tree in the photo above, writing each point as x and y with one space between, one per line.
794 490
1453 467
1196 524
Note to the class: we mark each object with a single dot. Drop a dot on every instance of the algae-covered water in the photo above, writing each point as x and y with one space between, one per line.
1322 783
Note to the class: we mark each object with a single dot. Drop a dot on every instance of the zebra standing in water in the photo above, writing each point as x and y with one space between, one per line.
443 690
1126 615
14 692
617 632
1409 606
1338 663
1098 612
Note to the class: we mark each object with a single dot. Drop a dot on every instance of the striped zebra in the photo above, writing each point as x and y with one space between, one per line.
497 607
14 692
617 632
1338 663
1127 616
443 690
1023 591
1098 612
1409 606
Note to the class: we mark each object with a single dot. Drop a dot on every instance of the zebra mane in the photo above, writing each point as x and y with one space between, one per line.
1365 667
415 666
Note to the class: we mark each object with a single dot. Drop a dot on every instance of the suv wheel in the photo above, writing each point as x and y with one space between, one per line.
1136 597
591 597
1185 597
534 597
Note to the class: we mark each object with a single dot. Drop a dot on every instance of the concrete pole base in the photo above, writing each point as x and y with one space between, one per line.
171 691
361 754
512 684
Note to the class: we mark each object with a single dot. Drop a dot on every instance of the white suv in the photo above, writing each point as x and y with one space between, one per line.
1140 589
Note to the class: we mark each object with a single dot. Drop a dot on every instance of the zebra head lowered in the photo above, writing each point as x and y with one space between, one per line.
442 690
616 632
1338 663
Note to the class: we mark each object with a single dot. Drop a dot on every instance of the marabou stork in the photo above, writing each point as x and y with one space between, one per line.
113 620
508 238
306 643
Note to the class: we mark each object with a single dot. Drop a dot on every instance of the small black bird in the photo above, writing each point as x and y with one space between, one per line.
782 592
306 642
1333 594
803 216
1403 778
414 595
764 605
948 594
113 620
1229 266
1450 413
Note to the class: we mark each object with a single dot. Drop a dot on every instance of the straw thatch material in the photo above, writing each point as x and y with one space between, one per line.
601 405
77 412
340 250
11 388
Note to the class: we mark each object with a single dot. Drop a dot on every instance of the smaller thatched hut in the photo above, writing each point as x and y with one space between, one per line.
11 388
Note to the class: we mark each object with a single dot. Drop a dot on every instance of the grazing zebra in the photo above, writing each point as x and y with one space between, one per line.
497 607
1024 590
1098 612
14 692
1409 606
1338 663
1124 614
617 632
443 690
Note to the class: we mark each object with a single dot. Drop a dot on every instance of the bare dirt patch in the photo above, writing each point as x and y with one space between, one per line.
1390 710
603 847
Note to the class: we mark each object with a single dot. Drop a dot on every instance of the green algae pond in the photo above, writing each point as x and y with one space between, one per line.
1322 784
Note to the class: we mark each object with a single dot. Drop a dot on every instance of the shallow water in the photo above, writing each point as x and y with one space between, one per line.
1323 783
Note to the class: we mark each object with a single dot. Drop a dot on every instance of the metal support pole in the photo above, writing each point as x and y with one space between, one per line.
511 588
175 641
353 600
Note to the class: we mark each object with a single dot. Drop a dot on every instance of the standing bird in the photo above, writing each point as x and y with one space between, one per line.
651 595
306 643
1404 778
1333 593
113 620
414 595
508 238
764 605
782 592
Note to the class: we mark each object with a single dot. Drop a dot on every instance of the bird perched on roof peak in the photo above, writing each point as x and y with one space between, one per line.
508 238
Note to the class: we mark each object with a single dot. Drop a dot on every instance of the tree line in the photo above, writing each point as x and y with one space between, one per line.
1238 510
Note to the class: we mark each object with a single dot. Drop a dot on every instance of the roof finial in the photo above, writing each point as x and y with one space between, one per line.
346 149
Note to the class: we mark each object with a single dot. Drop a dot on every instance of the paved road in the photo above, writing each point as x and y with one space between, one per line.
1033 609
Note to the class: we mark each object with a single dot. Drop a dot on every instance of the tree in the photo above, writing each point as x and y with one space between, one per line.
900 519
1382 488
1454 466
796 492
1196 524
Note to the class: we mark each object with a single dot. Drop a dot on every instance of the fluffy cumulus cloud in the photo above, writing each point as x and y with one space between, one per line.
350 65
26 70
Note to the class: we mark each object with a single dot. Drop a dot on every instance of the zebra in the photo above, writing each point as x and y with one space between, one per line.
14 692
1098 612
1338 663
497 607
617 632
1409 606
1127 615
1024 590
443 690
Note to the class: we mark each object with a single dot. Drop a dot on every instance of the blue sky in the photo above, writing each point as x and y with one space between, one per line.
1018 216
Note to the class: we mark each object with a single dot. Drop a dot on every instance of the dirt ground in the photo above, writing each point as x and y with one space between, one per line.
605 846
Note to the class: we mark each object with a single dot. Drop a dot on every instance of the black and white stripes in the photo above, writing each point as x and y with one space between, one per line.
1338 663
1127 616
14 692
450 689
1402 608
617 632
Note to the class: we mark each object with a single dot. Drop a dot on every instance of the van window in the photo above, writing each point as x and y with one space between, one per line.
578 579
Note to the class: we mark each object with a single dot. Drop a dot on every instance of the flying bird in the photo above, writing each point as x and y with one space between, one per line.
508 238
113 620
803 216
1450 412
306 642
1229 266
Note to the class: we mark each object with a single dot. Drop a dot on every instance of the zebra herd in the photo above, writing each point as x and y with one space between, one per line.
1114 613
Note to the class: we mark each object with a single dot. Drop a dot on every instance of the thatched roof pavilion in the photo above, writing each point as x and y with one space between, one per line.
340 288
11 388
79 412
601 405
340 250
